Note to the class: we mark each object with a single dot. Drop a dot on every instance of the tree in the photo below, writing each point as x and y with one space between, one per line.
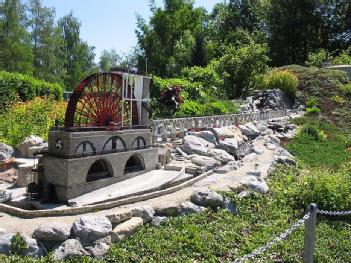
239 66
79 56
173 38
47 45
15 47
109 59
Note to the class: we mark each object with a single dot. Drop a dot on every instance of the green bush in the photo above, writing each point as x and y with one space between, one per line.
15 86
346 89
316 59
202 108
283 80
18 245
33 117
190 108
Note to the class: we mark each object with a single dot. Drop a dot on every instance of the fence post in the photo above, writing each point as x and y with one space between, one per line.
310 234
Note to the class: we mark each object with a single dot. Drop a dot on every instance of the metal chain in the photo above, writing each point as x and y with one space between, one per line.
334 213
281 237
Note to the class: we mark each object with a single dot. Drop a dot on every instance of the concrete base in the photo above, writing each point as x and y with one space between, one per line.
67 178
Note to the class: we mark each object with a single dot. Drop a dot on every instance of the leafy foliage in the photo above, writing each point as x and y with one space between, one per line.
203 108
30 118
14 86
238 67
283 80
316 59
18 245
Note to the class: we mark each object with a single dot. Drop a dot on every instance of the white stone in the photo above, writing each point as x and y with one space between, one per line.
197 145
126 229
220 155
257 149
6 151
90 228
145 212
206 135
22 148
256 185
52 232
250 130
99 250
209 162
33 250
187 208
207 198
119 217
69 248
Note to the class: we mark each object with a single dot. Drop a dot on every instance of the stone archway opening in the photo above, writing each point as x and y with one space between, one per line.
99 170
134 164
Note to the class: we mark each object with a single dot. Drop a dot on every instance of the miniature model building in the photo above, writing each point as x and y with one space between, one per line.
105 138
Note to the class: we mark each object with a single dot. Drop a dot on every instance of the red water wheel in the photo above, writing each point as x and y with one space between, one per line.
97 101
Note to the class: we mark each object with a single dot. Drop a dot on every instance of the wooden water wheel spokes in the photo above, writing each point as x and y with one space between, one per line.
97 101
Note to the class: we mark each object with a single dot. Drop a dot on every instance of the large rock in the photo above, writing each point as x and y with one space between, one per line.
90 228
145 212
284 157
6 151
187 208
229 145
220 155
193 144
157 220
230 206
256 185
33 249
119 217
22 148
207 198
209 162
167 209
206 135
250 130
126 229
231 166
52 232
99 250
68 249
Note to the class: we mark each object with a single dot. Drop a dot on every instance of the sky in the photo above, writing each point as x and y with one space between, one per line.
108 24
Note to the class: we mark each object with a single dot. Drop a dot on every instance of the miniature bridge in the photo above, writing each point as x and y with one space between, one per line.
173 128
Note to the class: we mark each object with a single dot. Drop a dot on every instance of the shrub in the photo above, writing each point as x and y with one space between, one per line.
202 108
30 118
18 245
346 89
238 67
313 111
283 80
215 108
190 108
316 59
17 86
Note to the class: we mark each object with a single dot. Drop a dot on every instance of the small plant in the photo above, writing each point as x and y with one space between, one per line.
338 100
312 107
18 245
346 89
283 80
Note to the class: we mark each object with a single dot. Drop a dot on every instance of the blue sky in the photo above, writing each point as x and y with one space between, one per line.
110 24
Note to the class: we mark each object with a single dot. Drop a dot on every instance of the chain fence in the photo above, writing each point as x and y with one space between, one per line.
309 220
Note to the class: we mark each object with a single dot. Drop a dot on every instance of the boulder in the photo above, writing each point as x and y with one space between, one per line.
230 166
250 130
256 185
229 145
22 148
209 162
69 248
33 249
274 139
220 155
230 206
168 209
250 157
206 135
6 151
119 217
145 212
99 250
196 145
207 198
257 150
187 208
90 228
52 232
126 229
157 220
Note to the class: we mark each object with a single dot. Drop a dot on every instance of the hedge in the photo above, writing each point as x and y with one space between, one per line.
15 86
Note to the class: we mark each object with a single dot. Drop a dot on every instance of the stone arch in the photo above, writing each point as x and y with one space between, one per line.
85 148
139 143
114 144
100 169
134 164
